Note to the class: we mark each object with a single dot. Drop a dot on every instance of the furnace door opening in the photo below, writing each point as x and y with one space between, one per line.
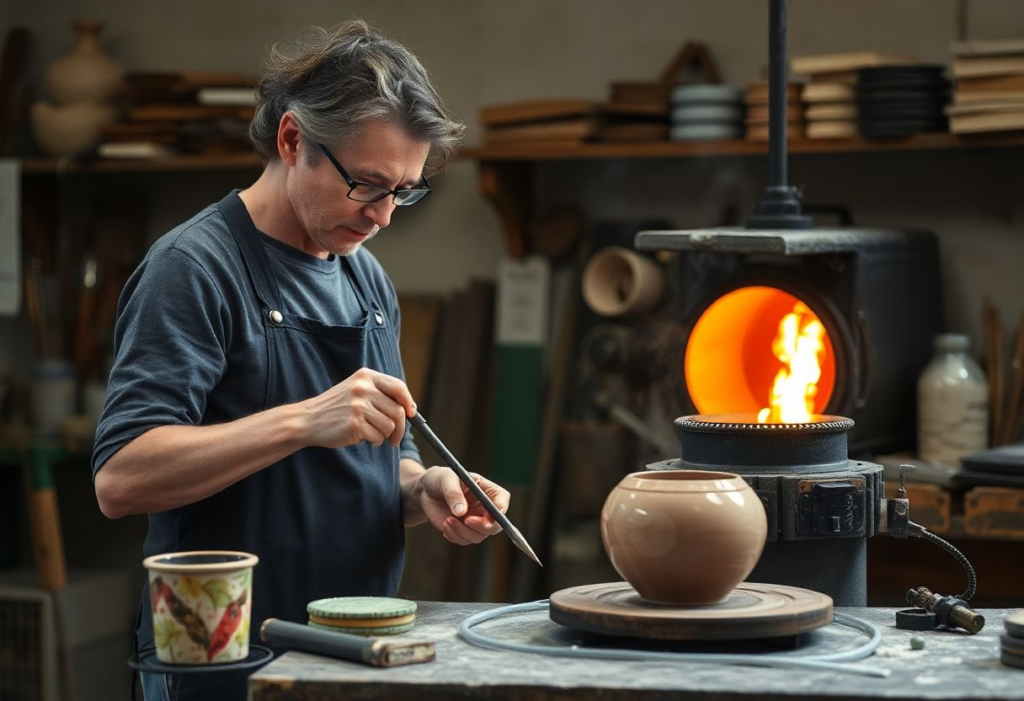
760 350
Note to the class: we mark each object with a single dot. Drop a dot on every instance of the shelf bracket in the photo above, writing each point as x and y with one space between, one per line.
509 187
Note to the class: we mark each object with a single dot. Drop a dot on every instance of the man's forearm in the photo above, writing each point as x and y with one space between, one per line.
409 475
171 466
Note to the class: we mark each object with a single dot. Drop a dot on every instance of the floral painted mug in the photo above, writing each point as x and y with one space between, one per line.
202 603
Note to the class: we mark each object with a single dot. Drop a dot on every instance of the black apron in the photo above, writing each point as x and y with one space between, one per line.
324 522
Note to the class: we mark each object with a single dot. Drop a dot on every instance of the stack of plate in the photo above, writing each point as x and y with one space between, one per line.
901 100
1011 643
706 113
363 615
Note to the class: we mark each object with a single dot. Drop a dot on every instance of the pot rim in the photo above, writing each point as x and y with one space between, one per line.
683 481
164 562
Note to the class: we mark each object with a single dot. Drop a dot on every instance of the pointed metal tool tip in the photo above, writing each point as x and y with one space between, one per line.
532 555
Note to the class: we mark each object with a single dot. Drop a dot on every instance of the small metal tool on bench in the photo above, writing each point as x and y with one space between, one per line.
377 652
932 610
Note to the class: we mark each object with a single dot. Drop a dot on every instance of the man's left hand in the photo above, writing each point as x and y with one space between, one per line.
452 509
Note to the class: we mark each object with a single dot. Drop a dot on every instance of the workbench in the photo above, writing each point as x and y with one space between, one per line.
950 666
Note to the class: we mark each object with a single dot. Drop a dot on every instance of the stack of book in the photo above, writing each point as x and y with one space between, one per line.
552 122
756 99
830 95
636 112
193 112
989 92
569 122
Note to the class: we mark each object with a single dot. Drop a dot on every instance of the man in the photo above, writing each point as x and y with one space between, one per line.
256 401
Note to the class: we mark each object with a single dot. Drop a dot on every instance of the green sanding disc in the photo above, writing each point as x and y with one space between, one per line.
1014 624
1011 660
361 607
1012 644
367 632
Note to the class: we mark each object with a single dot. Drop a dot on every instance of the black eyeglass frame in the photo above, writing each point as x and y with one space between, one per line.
353 184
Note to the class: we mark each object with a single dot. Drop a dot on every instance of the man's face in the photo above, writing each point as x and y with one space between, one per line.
382 155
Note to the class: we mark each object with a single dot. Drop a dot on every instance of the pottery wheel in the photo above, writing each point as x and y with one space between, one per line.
751 611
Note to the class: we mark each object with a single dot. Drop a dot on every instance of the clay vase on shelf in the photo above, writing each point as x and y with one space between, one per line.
82 87
86 73
71 128
683 537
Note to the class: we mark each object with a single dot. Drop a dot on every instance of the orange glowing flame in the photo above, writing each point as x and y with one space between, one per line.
799 345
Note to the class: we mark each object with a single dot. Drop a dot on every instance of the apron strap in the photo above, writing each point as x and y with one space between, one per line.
253 254
258 263
357 283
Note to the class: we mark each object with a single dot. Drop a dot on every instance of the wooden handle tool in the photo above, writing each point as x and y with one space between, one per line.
377 652
467 479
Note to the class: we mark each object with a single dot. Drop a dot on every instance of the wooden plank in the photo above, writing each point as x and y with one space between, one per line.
668 149
534 110
421 316
558 151
994 512
224 161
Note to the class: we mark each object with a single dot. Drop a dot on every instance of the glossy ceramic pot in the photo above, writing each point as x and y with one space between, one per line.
202 604
683 537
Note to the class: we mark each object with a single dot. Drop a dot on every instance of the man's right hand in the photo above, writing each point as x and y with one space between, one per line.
368 406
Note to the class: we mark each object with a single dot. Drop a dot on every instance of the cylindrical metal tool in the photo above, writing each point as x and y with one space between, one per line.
467 479
344 646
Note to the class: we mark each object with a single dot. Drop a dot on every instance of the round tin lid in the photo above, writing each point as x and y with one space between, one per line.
361 607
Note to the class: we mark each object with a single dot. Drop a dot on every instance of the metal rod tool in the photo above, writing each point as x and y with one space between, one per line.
378 652
467 479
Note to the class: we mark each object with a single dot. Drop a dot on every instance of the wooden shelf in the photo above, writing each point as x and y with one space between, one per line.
226 161
506 171
692 149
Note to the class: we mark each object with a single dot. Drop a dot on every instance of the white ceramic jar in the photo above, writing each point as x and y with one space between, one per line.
952 403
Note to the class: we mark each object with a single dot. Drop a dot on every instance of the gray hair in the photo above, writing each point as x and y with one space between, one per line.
335 80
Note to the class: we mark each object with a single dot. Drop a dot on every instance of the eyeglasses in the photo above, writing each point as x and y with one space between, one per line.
367 192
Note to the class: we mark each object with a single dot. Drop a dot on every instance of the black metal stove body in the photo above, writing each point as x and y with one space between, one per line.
877 292
821 506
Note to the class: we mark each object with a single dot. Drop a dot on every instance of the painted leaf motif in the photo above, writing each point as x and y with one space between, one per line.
242 636
165 632
219 591
191 586
243 579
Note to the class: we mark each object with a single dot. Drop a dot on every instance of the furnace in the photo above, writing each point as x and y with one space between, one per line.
802 345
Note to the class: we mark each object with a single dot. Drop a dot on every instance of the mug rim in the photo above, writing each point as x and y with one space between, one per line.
245 560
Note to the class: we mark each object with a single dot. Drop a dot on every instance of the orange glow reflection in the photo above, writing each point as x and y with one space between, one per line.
733 358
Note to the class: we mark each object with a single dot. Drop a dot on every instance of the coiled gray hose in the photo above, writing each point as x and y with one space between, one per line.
972 579
830 661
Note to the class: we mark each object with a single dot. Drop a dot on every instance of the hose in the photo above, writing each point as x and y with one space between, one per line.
920 531
829 662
